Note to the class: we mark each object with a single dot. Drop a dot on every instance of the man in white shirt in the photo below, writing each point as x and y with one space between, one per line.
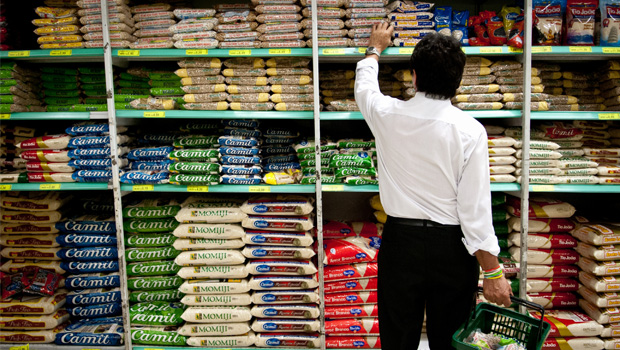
434 185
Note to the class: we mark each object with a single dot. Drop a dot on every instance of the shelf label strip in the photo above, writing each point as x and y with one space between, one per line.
49 186
128 53
259 189
142 188
543 188
333 51
279 51
5 116
154 115
197 188
490 50
405 50
19 54
239 52
609 116
539 49
61 52
579 49
5 187
195 52
20 347
615 50
333 188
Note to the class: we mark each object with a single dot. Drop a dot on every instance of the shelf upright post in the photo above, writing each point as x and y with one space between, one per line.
317 157
525 139
116 185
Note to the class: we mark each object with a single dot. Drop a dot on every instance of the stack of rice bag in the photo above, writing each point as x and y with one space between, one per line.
279 160
354 164
280 24
599 276
291 83
32 300
501 154
19 88
337 90
203 85
360 16
161 85
217 299
284 284
152 24
130 84
610 85
13 167
148 163
79 89
330 23
479 89
195 29
305 153
236 27
195 159
412 21
90 257
351 311
570 88
121 23
551 259
80 155
58 27
151 270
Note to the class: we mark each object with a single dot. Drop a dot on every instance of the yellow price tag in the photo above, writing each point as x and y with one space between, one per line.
20 347
405 51
333 51
490 50
259 189
611 50
361 50
49 186
154 115
61 52
197 188
142 188
239 52
5 187
19 54
539 49
579 49
5 116
543 188
608 116
125 53
514 49
279 51
197 52
333 188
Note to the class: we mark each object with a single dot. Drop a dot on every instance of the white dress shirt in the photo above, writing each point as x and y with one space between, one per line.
432 160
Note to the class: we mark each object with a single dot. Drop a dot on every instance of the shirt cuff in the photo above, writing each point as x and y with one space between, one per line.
489 245
368 62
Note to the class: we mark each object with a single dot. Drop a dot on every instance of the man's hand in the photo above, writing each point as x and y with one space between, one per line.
381 35
497 291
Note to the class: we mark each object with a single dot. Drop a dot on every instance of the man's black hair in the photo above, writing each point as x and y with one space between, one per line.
438 61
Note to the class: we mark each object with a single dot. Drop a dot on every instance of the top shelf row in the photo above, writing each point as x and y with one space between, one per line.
391 53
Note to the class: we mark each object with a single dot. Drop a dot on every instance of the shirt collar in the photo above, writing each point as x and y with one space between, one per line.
419 96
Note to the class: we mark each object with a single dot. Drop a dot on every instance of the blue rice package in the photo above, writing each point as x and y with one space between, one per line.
459 26
280 132
93 280
274 140
81 267
152 166
96 310
241 169
239 151
150 153
92 176
144 177
92 153
240 159
610 22
86 240
242 132
240 179
238 141
92 129
89 142
241 123
93 224
104 331
281 166
443 20
93 296
88 253
286 158
273 150
200 127
91 164
157 139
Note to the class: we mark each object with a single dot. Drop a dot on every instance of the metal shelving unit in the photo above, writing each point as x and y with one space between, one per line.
475 114
227 114
55 116
55 186
220 188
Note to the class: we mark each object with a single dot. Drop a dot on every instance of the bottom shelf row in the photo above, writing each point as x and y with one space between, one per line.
235 271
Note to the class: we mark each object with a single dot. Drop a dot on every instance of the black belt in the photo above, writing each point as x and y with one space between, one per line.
416 222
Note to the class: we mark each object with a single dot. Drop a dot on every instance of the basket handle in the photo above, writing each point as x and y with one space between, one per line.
514 299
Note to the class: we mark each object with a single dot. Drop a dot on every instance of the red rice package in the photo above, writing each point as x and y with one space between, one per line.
44 283
366 326
349 311
364 284
547 22
350 272
482 36
580 22
350 250
515 36
351 298
352 341
495 29
17 283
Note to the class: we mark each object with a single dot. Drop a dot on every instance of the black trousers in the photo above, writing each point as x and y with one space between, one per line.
423 265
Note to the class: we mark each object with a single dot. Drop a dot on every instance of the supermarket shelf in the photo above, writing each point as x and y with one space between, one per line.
55 116
35 346
53 186
576 188
571 52
173 54
505 187
353 54
220 188
603 115
475 114
185 114
495 187
56 56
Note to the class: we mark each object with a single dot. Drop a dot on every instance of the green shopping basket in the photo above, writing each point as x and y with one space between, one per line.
493 319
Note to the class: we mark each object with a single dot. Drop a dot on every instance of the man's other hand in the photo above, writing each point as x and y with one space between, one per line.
497 291
381 35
